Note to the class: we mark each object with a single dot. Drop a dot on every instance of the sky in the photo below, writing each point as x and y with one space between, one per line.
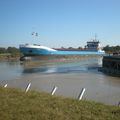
59 23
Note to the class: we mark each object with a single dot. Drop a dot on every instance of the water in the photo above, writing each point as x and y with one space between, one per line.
70 76
10 70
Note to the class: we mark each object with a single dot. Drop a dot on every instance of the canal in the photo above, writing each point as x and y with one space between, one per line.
70 76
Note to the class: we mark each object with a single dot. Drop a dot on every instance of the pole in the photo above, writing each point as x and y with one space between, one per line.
81 94
28 87
54 90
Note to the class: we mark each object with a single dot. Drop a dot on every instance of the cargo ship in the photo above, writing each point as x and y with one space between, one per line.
92 48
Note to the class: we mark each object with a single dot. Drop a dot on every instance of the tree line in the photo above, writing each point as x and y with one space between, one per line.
11 50
112 49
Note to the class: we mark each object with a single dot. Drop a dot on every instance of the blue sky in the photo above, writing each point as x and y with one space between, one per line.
59 22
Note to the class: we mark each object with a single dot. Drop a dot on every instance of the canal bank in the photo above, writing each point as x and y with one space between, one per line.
16 105
9 57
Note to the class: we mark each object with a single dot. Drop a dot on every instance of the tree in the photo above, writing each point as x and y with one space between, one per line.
13 51
111 49
3 50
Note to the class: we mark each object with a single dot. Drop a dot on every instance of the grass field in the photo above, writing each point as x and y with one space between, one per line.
18 105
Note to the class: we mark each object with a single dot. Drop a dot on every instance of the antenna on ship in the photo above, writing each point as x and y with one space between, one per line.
34 35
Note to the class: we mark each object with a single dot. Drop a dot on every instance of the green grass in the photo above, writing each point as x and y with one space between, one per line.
18 105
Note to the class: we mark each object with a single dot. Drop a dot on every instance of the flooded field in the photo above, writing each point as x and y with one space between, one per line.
70 76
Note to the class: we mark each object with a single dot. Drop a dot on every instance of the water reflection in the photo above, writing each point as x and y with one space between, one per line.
10 70
74 67
38 70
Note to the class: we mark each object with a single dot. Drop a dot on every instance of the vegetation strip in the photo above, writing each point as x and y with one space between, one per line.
16 105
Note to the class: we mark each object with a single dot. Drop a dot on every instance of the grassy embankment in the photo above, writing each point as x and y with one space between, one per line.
18 105
8 56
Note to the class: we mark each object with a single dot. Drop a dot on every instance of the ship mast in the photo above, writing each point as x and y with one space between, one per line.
95 37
